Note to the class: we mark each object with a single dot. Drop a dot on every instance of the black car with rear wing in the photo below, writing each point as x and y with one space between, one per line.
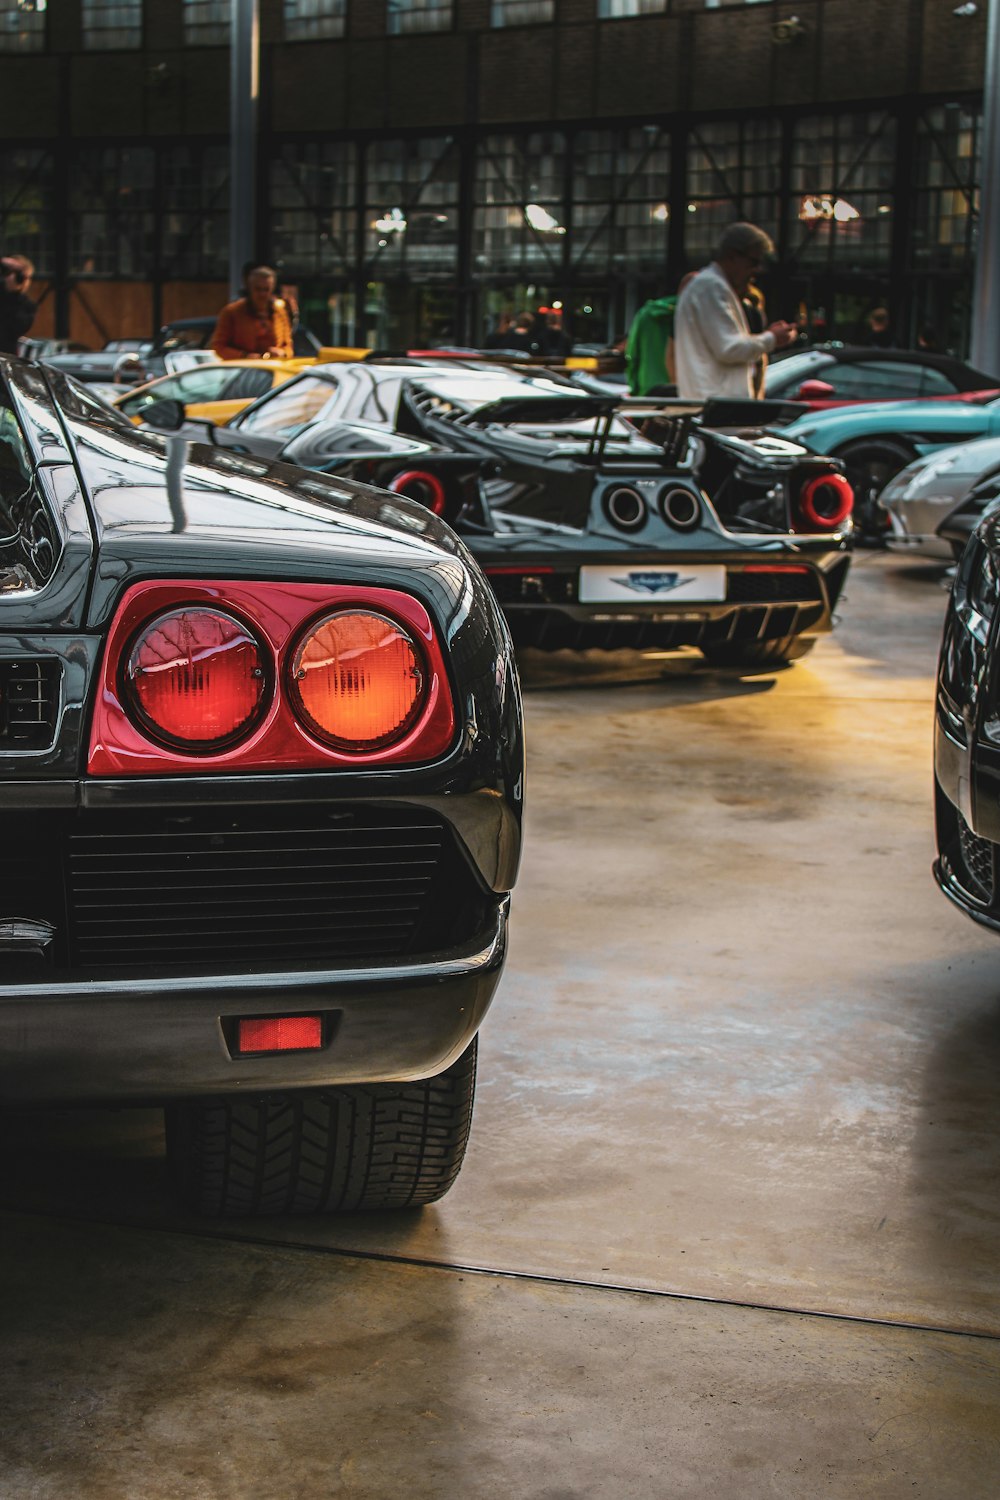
599 522
261 771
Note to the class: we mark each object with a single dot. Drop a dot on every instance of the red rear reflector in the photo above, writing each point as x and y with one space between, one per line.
280 1034
775 568
521 572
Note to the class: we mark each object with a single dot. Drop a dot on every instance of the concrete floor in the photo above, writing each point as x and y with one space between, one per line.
729 1221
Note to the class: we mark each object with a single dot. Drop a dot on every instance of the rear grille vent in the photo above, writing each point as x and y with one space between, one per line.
281 887
761 588
29 704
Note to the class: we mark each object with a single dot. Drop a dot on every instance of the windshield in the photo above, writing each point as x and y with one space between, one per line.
792 371
284 413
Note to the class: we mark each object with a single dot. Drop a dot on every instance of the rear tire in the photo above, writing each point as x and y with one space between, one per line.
870 464
366 1146
760 653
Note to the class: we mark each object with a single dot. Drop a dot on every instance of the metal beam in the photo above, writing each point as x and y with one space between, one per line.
985 353
244 90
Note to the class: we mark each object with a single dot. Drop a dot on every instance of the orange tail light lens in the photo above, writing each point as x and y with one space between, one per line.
195 677
356 680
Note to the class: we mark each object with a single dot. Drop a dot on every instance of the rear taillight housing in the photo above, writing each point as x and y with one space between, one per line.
236 675
357 679
196 678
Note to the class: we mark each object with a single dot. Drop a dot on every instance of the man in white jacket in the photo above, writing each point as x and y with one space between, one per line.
714 350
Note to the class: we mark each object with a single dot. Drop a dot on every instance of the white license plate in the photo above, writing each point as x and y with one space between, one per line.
704 582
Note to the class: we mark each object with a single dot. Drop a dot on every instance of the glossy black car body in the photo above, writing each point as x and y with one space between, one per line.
143 914
598 523
967 733
838 374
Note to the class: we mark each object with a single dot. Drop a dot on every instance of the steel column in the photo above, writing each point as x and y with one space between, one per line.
985 352
244 89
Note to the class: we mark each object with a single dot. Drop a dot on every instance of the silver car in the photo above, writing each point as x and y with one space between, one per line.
923 494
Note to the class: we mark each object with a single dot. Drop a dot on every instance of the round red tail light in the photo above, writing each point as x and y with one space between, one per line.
195 677
356 680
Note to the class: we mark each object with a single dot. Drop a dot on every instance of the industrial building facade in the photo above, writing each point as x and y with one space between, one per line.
426 164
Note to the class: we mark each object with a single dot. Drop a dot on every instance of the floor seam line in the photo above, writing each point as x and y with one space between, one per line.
537 1277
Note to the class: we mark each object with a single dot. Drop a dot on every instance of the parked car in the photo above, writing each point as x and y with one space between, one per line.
100 364
924 494
592 532
834 375
214 392
875 441
967 734
189 335
261 763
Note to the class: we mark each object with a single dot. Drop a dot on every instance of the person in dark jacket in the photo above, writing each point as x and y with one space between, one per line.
17 311
524 336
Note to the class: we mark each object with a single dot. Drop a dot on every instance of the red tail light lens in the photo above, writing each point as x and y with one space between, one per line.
195 677
356 680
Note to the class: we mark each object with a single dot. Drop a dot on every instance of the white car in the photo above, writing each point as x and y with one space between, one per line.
923 494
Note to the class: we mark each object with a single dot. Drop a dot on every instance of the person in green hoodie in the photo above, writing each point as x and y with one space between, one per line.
646 349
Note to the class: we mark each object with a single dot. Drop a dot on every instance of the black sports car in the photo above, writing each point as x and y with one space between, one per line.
261 776
599 523
839 374
967 733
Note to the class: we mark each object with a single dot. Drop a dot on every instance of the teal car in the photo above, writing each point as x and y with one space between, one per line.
875 441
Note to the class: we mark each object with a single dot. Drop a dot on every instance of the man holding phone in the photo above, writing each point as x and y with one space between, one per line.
715 350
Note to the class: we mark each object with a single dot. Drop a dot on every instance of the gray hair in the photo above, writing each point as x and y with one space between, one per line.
744 239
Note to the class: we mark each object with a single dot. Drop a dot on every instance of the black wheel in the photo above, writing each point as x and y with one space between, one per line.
870 464
367 1146
760 653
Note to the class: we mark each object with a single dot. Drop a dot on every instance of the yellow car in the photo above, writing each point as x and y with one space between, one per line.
213 392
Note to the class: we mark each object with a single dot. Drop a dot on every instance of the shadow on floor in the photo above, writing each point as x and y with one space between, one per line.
685 672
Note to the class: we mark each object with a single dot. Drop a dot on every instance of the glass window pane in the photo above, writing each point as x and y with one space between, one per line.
314 209
519 214
733 172
26 205
111 24
206 22
308 19
411 213
111 213
947 171
195 189
22 25
621 199
840 208
521 12
418 15
614 9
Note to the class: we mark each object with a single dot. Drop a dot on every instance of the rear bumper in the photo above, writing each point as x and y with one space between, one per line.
152 1040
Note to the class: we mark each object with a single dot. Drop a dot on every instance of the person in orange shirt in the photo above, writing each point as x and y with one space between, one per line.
257 326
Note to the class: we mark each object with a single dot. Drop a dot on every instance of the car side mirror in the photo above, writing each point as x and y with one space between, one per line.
814 390
166 414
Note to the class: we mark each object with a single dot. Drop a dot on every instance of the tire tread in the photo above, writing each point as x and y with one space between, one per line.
350 1149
